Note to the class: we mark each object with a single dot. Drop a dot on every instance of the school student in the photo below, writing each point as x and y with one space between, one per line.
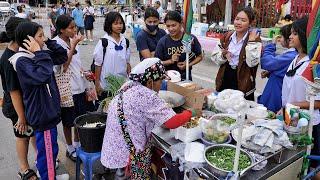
276 66
70 81
239 56
170 48
34 66
13 107
77 15
116 59
88 12
294 85
148 38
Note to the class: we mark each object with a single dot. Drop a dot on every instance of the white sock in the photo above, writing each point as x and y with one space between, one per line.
70 148
76 144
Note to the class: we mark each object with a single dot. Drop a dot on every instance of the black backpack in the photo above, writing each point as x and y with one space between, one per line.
104 46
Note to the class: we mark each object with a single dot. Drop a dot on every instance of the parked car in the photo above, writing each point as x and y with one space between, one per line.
27 9
4 8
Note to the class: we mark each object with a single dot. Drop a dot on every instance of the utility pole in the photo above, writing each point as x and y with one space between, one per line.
173 4
228 11
199 10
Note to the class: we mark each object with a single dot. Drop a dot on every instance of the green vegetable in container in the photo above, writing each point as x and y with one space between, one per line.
223 158
228 120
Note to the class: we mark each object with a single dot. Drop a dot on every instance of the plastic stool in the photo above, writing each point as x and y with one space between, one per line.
88 159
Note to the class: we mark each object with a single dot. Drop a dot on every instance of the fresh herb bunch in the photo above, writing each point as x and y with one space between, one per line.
223 158
114 83
301 140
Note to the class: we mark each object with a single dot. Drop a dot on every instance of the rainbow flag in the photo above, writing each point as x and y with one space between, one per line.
187 19
313 38
313 27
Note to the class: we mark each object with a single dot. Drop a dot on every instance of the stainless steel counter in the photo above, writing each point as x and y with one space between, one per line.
275 164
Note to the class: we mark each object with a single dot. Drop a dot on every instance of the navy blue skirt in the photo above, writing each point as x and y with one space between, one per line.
88 22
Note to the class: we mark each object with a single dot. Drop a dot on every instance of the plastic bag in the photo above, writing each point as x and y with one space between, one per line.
230 101
91 93
177 152
172 98
215 131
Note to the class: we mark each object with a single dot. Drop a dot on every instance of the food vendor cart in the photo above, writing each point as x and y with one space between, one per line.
284 163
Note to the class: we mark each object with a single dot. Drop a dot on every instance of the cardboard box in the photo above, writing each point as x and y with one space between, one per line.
189 85
194 100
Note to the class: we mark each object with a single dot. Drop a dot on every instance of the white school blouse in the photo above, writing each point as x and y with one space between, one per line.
115 62
77 80
294 88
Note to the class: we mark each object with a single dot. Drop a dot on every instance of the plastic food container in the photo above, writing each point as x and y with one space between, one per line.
187 134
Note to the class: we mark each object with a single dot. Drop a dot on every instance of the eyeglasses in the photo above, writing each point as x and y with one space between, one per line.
293 71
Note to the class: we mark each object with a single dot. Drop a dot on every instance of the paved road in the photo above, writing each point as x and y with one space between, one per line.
203 73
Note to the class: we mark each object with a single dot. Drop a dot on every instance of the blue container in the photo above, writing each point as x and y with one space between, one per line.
164 85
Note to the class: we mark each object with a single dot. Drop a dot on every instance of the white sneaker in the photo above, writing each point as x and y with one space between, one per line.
91 40
57 163
85 39
62 177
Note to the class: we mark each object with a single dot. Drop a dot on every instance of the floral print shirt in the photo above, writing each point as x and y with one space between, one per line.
143 110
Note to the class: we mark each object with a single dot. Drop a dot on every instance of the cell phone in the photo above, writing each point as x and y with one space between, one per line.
257 29
28 132
220 46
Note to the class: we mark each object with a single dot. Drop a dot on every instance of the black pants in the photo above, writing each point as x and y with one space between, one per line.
101 97
230 81
316 148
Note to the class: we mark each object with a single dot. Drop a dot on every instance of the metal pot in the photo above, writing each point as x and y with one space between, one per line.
222 172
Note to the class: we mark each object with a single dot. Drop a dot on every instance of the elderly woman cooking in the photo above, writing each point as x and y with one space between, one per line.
132 115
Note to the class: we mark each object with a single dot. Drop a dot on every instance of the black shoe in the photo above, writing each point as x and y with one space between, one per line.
70 155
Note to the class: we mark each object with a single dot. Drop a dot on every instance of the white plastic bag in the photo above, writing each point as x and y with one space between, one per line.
91 92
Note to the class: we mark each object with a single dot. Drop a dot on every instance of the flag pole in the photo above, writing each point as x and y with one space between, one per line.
187 38
187 65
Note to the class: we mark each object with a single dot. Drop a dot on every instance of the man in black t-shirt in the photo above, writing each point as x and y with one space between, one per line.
170 48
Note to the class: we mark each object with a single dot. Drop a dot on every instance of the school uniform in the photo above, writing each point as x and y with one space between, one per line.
240 72
78 86
294 90
88 17
277 66
116 58
41 100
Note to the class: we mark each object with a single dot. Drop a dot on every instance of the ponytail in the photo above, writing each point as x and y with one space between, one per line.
4 37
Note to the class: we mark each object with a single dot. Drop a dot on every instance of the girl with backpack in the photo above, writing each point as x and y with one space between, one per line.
239 56
112 53
70 81
34 65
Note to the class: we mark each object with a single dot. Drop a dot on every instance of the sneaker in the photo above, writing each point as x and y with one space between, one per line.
85 39
72 156
91 40
63 177
57 163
